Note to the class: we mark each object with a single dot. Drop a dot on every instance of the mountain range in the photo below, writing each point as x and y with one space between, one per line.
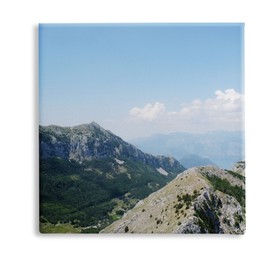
192 160
93 181
222 148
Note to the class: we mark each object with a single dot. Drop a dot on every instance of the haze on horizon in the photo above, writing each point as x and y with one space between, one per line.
137 80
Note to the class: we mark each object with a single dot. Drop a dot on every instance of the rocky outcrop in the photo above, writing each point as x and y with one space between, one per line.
91 141
239 168
199 200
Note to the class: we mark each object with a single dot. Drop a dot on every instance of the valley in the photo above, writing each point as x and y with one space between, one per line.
89 177
92 181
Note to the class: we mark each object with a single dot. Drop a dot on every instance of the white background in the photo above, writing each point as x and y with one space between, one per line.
19 118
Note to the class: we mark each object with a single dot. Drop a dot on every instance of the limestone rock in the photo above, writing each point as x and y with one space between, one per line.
199 200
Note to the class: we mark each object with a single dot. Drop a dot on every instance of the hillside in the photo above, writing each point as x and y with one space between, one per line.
90 177
199 200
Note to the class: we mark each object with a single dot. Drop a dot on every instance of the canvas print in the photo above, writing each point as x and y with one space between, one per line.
141 128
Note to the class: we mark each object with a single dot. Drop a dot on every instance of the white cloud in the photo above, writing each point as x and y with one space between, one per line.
229 95
225 107
222 111
148 112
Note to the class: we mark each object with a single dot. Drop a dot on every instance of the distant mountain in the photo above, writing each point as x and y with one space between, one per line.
89 177
192 160
223 148
199 200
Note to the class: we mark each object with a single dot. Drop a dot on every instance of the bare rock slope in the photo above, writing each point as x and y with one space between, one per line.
199 200
90 141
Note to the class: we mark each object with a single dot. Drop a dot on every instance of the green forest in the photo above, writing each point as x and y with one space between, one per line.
86 194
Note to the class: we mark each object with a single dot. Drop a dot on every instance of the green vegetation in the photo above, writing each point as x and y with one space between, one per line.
184 199
179 206
237 224
224 186
114 217
82 194
208 219
90 230
241 162
226 221
120 212
236 175
238 220
126 229
58 228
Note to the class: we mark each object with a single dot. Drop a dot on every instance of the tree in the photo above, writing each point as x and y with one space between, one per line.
126 229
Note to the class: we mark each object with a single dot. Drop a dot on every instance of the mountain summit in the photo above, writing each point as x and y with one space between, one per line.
90 141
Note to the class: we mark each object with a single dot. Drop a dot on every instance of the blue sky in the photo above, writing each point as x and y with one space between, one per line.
136 80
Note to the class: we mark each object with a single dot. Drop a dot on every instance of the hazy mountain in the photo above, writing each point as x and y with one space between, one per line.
192 160
223 148
199 200
89 177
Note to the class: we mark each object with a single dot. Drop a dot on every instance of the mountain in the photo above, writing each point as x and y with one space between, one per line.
199 200
192 160
89 177
224 148
90 141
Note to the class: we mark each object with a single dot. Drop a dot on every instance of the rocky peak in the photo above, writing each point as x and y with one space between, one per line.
91 141
239 168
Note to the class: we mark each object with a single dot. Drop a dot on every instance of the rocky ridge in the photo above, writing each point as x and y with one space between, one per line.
199 200
90 141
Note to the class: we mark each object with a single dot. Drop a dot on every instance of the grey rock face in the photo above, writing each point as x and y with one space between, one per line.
91 141
190 226
239 167
190 204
